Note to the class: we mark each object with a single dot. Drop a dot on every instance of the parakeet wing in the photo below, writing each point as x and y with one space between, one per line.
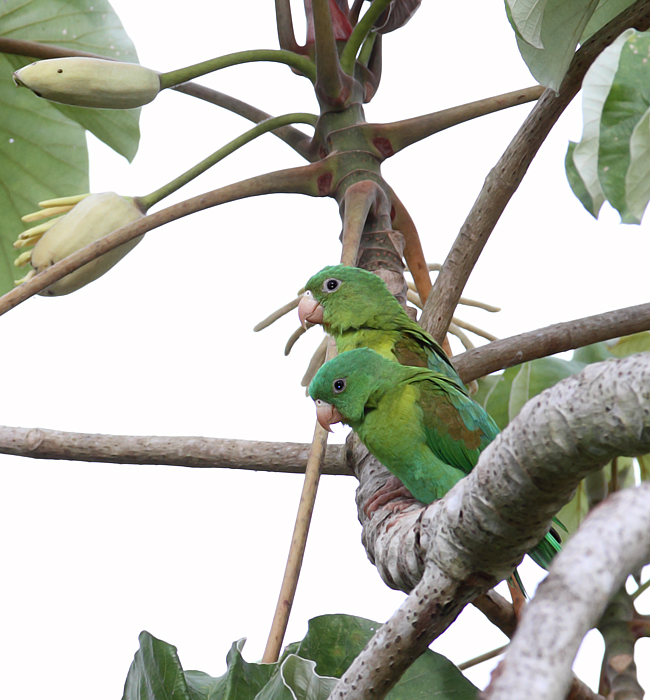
456 427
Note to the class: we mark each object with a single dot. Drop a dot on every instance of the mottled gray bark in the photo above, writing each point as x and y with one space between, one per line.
462 545
613 541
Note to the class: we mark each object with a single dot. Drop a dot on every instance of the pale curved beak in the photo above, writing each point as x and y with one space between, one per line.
310 312
327 415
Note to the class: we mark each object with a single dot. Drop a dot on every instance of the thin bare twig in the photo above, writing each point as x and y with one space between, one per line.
482 657
505 177
473 329
413 253
286 35
405 133
279 313
297 548
293 339
299 539
543 342
193 452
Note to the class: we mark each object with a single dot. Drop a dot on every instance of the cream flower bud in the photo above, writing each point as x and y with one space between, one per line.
93 218
90 82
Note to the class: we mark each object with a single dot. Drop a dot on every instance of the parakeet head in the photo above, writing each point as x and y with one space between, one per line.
343 298
344 387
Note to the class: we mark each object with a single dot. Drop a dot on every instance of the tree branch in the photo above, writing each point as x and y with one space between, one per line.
619 674
612 542
413 253
505 177
292 137
332 85
286 35
359 200
543 342
297 180
196 452
409 131
523 477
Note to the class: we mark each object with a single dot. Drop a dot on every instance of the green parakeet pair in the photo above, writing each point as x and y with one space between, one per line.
396 388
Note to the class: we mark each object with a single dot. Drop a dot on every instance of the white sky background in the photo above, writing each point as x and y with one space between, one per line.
163 344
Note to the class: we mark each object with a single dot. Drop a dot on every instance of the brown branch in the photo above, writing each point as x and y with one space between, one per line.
618 675
286 34
360 199
332 84
291 136
35 49
559 337
505 177
296 180
413 253
315 463
195 452
409 131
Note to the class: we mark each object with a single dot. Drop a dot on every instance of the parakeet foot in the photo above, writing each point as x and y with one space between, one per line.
391 490
518 597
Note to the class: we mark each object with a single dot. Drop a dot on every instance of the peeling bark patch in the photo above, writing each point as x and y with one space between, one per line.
384 146
324 184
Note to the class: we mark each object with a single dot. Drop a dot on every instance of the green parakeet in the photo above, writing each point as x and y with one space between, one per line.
356 307
416 422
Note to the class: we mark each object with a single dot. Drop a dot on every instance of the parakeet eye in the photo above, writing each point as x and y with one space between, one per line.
331 285
338 385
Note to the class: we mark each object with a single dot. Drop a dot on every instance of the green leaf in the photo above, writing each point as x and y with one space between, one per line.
578 185
606 11
637 178
84 25
596 89
596 485
519 390
631 344
296 679
526 16
644 467
592 353
334 641
42 155
626 104
505 398
548 34
156 672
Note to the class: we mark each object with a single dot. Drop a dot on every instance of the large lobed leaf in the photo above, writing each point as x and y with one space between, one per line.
612 160
42 145
307 670
549 31
85 25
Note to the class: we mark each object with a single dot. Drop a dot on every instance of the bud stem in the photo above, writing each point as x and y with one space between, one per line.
300 63
144 203
361 31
